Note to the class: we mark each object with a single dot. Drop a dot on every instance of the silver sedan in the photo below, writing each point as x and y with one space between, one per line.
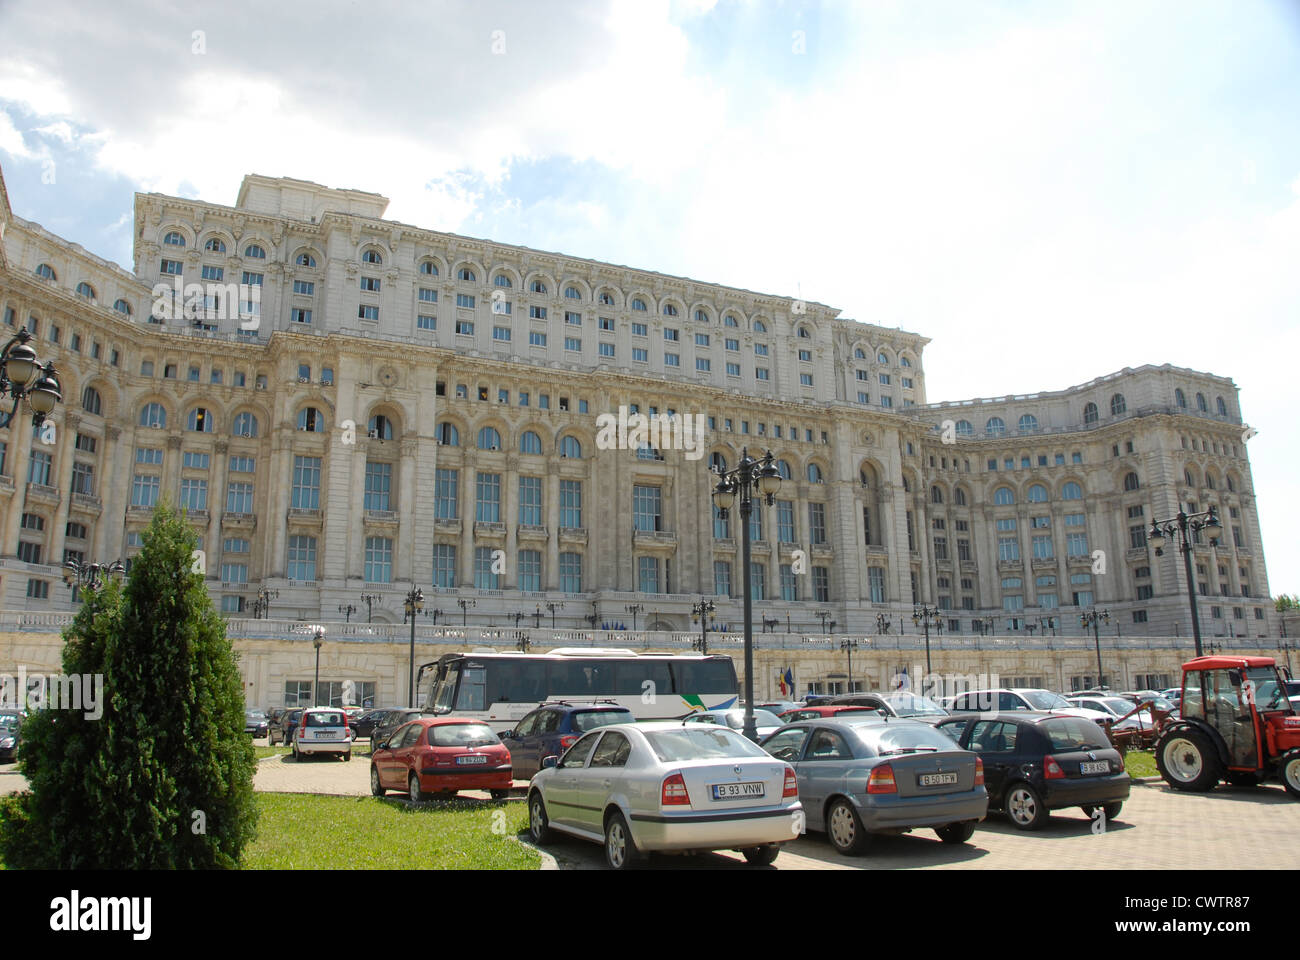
672 787
861 774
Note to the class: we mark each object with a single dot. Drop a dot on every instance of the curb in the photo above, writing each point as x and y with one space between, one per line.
1147 780
548 861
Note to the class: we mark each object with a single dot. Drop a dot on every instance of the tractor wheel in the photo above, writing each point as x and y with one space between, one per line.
1187 760
1289 769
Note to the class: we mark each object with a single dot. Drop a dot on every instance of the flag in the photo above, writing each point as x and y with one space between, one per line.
780 679
787 682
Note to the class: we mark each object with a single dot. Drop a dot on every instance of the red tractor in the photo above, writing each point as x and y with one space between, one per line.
1236 724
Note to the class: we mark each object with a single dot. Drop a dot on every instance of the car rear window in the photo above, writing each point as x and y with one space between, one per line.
1066 734
462 735
892 739
701 743
585 720
333 718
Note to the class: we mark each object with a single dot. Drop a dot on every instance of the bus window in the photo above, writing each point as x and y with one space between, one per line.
714 675
630 677
473 688
568 678
516 681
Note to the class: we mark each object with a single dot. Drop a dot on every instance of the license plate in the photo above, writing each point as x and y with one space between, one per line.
1101 766
937 779
328 735
477 759
738 791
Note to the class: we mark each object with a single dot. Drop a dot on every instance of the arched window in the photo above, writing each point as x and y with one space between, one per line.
995 427
380 427
1072 491
153 415
489 439
537 286
372 256
717 463
1232 487
1180 398
306 260
1130 481
85 290
1187 478
310 420
1003 496
199 420
964 428
174 239
959 497
1209 480
121 306
907 485
1037 493
1028 423
730 321
255 252
447 434
1117 405
530 443
430 269
701 316
804 334
638 304
570 448
1200 403
91 402
46 272
882 357
572 293
904 362
858 354
936 495
814 473
783 469
760 326
215 245
1222 407
245 425
670 310
1090 413
467 275
606 300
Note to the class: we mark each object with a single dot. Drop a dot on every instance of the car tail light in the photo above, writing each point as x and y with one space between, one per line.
1051 769
979 771
567 741
791 784
882 780
673 793
1121 764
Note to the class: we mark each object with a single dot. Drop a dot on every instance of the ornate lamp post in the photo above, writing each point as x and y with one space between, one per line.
1181 528
883 622
370 599
750 476
433 615
317 640
1047 623
924 615
92 576
347 610
22 376
523 644
1093 619
824 615
592 618
412 605
634 609
701 610
553 607
848 646
262 605
464 606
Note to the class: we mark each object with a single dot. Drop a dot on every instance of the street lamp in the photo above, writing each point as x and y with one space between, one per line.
1094 619
750 475
883 623
317 640
1285 647
553 607
1047 623
634 609
824 615
523 644
701 610
465 605
592 618
1181 528
262 605
433 615
347 611
923 615
22 376
413 604
80 575
848 645
370 599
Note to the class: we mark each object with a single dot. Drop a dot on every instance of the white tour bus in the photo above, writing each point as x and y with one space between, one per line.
502 687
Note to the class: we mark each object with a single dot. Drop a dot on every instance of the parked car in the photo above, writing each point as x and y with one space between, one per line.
896 703
554 727
1038 762
364 725
441 755
777 706
323 730
10 737
867 774
256 723
1006 701
282 728
764 720
667 786
1117 707
388 724
820 712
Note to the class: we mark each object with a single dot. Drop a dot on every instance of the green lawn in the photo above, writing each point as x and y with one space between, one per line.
1141 763
270 751
301 832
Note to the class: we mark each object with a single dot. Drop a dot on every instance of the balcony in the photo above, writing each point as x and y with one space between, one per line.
1043 563
573 534
531 531
724 543
304 515
39 493
87 501
382 517
822 550
6 484
447 525
197 516
239 520
140 511
653 538
489 529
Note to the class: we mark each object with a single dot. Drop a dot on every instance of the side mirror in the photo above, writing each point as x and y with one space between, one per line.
508 735
549 762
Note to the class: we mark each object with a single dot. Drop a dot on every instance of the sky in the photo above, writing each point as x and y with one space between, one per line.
1049 191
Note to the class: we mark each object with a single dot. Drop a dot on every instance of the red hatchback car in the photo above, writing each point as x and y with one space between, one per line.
820 713
440 755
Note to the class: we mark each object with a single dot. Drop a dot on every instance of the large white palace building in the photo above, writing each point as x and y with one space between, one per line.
359 407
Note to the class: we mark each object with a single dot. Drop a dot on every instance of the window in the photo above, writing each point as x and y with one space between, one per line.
1090 414
670 310
638 304
465 301
153 415
1028 423
302 558
444 565
1180 398
370 284
446 495
1117 405
379 485
876 582
1003 496
501 280
530 570
1037 493
571 504
570 448
647 508
702 364
648 574
194 494
817 522
310 420
199 420
995 427
573 344
1071 491
488 498
192 460
606 349
530 501
530 442
447 434
305 260
1131 481
537 286
300 315
239 498
379 560
174 239
144 490
367 312
306 483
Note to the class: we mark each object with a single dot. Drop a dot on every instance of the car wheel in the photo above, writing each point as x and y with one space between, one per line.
500 794
844 829
956 832
413 790
1187 761
376 788
761 856
297 755
538 826
1111 810
1289 770
347 756
1025 807
620 851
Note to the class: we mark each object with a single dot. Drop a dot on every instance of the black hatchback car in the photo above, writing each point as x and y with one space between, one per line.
386 725
10 736
1035 763
282 727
